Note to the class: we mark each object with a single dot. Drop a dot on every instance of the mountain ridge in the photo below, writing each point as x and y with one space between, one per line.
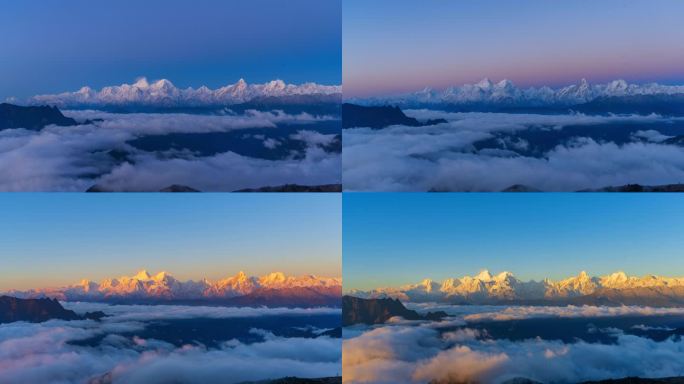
506 94
272 289
164 93
615 289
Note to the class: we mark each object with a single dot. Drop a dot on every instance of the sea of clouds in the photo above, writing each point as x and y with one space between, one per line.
40 353
441 157
73 158
417 352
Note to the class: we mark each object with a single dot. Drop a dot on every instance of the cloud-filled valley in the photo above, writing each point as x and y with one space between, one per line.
100 151
577 344
475 151
120 349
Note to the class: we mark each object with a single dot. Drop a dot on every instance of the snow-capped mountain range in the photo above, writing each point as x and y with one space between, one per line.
162 93
503 287
506 93
164 287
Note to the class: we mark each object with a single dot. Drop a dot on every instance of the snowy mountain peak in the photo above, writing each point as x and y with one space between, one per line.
141 83
164 93
142 275
484 83
485 287
505 92
162 285
505 84
484 275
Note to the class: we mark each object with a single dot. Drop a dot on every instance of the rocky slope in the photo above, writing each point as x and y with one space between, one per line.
38 310
33 118
356 310
379 117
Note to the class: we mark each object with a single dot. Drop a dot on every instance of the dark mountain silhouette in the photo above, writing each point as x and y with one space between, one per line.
33 118
170 188
296 188
178 188
38 310
670 105
379 117
290 297
298 380
640 188
639 380
626 380
356 310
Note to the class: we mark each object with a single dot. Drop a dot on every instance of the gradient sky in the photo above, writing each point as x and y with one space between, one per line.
395 239
393 46
56 239
57 46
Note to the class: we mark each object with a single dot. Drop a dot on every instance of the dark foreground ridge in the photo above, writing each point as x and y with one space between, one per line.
297 380
641 188
279 188
626 380
38 310
33 118
379 117
296 188
639 380
619 188
356 310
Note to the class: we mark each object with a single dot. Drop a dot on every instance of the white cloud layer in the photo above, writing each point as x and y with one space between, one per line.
419 353
73 158
39 353
442 157
473 313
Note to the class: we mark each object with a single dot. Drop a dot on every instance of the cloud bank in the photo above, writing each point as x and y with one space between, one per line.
75 158
419 353
41 353
443 156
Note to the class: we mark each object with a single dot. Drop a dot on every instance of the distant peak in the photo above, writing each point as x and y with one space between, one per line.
142 275
484 83
163 83
504 275
141 82
484 275
161 275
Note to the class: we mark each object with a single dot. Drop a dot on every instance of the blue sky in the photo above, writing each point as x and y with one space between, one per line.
53 239
394 239
57 46
393 46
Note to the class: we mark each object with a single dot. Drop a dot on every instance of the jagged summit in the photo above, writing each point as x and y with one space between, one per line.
487 287
163 93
